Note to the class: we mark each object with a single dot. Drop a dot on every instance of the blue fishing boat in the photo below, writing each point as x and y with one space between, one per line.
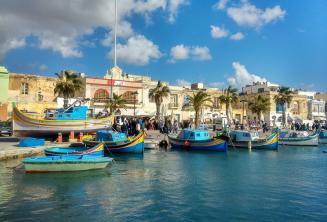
247 139
97 150
43 164
73 118
299 138
323 137
196 139
116 142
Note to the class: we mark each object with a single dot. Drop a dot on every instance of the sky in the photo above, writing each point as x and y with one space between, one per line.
217 42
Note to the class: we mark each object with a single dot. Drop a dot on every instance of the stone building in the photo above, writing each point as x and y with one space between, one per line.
4 83
296 110
34 93
31 92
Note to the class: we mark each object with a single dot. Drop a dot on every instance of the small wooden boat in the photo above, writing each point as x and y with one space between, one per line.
323 137
245 139
74 118
43 164
298 138
97 150
196 139
117 142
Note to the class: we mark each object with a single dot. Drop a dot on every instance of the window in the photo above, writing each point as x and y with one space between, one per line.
279 108
174 99
101 95
130 96
24 88
261 90
39 96
216 102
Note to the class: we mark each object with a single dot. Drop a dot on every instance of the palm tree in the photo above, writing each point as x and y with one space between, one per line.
260 105
67 85
229 97
198 101
117 102
283 97
157 94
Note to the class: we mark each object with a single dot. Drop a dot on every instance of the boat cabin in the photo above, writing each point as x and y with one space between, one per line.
71 113
244 136
193 134
109 135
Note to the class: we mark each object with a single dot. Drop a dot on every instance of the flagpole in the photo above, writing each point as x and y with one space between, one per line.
115 50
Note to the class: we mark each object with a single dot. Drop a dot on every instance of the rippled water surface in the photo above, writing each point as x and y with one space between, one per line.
288 185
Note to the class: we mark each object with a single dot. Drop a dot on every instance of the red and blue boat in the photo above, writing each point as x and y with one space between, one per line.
116 142
97 150
196 139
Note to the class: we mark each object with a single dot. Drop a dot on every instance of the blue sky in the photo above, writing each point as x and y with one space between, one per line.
181 41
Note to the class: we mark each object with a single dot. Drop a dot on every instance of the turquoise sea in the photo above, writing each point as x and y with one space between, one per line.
288 185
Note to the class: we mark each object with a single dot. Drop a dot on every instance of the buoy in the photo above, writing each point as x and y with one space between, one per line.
187 144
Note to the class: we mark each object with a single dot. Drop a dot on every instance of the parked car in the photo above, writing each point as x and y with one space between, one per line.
6 128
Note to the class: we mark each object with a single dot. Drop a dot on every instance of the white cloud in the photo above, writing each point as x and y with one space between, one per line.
237 36
61 25
216 84
249 15
221 4
182 52
173 6
242 77
183 82
201 53
137 51
217 32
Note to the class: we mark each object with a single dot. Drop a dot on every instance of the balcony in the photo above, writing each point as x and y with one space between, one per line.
172 105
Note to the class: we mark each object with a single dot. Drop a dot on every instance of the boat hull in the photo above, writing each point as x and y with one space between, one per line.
209 145
312 140
271 143
135 145
24 125
97 150
60 164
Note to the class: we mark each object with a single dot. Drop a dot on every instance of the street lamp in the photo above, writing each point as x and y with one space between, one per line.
135 95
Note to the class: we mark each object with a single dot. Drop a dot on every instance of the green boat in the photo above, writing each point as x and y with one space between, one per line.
44 164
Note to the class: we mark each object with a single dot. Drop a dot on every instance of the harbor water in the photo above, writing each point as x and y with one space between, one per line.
288 185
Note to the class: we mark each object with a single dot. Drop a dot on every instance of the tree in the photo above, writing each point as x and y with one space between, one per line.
260 105
158 94
283 97
117 102
198 101
68 83
229 97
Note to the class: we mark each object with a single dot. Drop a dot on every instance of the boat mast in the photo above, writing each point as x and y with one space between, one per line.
115 49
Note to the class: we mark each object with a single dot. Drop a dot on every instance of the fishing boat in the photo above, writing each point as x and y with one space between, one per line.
299 138
43 164
323 137
73 118
248 139
116 142
196 139
97 150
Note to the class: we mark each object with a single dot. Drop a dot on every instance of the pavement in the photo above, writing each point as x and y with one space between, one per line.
10 150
